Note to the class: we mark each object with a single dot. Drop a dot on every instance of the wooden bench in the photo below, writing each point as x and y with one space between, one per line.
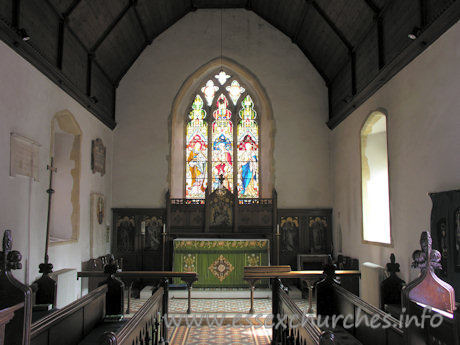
6 315
308 334
72 323
143 328
359 319
431 296
13 293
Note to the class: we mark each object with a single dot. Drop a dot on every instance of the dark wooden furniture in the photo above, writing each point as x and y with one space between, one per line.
307 332
137 238
13 293
445 231
6 315
276 273
304 231
390 289
252 274
72 323
428 294
332 300
143 328
150 276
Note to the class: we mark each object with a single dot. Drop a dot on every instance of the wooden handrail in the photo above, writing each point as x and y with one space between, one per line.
188 277
296 274
185 276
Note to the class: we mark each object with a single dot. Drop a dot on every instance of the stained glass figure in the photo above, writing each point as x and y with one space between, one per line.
248 151
222 77
196 151
235 91
222 145
209 91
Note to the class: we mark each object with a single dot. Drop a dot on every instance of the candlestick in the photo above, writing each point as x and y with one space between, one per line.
142 228
164 228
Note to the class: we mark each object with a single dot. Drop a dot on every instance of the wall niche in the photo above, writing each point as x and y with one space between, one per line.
65 151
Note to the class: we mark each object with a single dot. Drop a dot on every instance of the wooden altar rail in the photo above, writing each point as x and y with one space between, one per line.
129 276
254 273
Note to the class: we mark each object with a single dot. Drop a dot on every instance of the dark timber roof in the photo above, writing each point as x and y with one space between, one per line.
87 46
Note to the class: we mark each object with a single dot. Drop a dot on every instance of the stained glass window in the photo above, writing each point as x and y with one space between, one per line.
222 145
235 91
222 77
196 151
209 91
211 155
248 151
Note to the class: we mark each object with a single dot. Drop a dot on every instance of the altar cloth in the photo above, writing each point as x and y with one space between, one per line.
220 262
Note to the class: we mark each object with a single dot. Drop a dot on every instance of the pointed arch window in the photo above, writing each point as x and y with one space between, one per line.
231 154
375 180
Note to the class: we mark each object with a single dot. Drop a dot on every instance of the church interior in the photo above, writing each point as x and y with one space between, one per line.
294 158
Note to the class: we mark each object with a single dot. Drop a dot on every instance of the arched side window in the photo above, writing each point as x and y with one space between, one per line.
375 180
232 155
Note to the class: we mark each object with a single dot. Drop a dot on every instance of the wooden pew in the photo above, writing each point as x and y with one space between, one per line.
431 296
143 328
6 315
281 303
72 323
13 293
307 333
390 289
333 300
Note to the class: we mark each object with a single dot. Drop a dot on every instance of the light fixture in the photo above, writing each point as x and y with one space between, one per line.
24 35
414 33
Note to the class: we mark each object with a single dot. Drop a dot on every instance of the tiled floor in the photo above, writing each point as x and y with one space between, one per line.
219 335
225 334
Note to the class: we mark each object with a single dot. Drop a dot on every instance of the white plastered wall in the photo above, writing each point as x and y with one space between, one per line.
422 103
28 102
297 94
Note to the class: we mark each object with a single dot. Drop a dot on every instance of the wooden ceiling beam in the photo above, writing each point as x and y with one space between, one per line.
193 7
373 7
16 7
445 20
112 25
141 25
71 8
332 25
301 22
345 41
423 14
126 69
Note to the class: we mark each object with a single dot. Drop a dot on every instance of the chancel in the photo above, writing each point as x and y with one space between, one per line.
166 158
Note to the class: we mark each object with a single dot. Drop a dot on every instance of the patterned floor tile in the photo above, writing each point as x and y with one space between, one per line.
219 335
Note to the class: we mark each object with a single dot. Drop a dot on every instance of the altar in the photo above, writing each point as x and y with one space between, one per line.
220 262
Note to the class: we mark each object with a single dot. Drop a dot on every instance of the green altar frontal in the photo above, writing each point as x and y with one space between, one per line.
220 262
